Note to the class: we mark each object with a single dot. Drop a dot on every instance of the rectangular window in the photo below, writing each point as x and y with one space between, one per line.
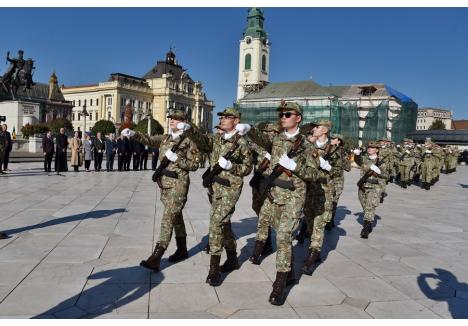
79 102
96 116
91 102
91 116
97 101
79 116
84 102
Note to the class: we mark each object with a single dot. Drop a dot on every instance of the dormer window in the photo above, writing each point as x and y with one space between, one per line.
367 90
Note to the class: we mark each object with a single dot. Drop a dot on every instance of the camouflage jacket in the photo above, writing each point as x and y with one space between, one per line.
375 180
306 169
406 157
217 146
187 160
342 163
324 176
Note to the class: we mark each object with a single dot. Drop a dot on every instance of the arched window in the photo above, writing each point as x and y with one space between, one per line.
248 62
263 62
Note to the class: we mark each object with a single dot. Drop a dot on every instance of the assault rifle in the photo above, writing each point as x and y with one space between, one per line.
366 176
267 183
210 174
165 163
258 174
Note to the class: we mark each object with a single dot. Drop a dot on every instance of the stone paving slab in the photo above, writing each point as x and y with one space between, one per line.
76 243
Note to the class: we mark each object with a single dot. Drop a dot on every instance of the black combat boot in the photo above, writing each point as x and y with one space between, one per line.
382 196
330 225
268 247
403 184
300 237
309 264
3 236
291 280
231 262
417 178
181 252
154 260
257 252
390 179
214 275
366 229
277 296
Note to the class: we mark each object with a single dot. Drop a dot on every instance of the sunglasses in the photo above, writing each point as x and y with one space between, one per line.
229 117
286 114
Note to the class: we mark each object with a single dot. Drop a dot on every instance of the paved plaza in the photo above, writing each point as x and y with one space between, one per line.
76 243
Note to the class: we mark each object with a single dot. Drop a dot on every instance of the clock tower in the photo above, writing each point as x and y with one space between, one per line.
254 55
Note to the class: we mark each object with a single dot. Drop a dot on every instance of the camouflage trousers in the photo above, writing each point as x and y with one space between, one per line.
436 168
339 185
174 200
284 219
318 211
405 172
369 199
427 169
222 208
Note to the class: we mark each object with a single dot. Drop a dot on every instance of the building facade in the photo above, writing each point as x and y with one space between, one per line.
426 116
363 112
164 87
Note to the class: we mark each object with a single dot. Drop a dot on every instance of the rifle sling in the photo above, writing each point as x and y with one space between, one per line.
285 184
170 174
221 181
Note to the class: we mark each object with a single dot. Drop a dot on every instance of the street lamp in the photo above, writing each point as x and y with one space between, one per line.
84 113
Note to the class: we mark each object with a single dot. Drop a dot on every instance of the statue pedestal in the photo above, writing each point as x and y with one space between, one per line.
19 113
35 144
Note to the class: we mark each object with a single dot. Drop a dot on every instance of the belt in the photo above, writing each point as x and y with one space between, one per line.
222 181
284 184
170 174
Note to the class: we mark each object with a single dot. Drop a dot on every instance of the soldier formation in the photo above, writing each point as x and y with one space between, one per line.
298 176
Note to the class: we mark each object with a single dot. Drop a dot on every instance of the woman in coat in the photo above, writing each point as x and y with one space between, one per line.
88 152
76 152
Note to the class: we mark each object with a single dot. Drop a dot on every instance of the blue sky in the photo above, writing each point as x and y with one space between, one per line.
420 52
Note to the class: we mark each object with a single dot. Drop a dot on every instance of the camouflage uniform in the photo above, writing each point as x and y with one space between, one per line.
320 194
342 164
174 191
224 198
406 163
438 161
370 193
427 167
174 183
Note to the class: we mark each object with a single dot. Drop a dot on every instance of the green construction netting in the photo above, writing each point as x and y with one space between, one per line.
405 122
376 123
345 120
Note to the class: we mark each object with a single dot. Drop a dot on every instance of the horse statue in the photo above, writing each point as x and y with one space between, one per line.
18 74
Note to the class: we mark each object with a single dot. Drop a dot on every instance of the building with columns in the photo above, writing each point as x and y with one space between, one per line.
360 111
164 87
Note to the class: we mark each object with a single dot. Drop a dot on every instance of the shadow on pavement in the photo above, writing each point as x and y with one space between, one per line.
77 217
457 305
120 287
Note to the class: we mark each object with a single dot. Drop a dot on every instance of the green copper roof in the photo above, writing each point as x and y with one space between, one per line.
255 24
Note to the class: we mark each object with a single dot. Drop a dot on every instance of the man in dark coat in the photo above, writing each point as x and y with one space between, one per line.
121 152
128 153
99 147
48 149
8 148
154 157
111 148
144 157
61 152
137 148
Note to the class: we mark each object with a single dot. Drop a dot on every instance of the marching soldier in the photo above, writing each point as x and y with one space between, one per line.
175 183
373 177
439 159
292 160
318 207
386 153
342 164
261 159
406 162
226 188
427 165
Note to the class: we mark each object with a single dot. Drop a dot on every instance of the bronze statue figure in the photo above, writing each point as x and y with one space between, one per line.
18 74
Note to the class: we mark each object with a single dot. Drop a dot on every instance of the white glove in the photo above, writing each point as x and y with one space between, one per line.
418 145
171 156
128 132
407 151
398 146
325 165
375 168
268 156
287 163
357 151
183 126
225 164
243 128
428 151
